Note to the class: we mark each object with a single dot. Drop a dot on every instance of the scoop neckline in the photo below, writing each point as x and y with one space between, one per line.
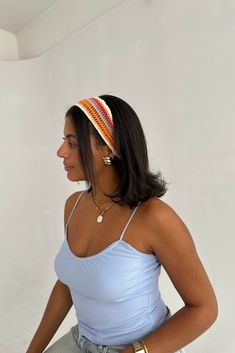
105 250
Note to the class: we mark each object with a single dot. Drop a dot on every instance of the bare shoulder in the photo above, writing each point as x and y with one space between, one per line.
166 228
69 204
158 212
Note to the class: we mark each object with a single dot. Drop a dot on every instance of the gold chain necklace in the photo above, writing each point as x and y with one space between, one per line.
100 217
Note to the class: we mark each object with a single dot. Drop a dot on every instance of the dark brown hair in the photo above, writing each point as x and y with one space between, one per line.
137 182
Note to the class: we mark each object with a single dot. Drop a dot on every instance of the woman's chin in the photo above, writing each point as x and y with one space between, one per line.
74 178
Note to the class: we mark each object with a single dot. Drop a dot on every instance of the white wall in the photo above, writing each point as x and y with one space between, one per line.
62 19
174 64
8 46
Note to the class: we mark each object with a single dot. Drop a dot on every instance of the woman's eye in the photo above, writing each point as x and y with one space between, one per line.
71 145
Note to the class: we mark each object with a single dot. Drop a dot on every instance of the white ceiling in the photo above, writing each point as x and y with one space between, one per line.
15 15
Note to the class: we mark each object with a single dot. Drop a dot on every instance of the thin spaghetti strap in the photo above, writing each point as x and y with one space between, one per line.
128 222
74 208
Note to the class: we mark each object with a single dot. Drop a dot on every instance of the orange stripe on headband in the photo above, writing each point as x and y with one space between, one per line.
100 115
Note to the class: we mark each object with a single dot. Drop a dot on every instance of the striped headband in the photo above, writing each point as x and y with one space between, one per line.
100 115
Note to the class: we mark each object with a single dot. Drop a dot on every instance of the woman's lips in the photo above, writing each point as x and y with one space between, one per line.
67 168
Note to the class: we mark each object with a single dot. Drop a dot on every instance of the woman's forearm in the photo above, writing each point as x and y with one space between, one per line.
179 330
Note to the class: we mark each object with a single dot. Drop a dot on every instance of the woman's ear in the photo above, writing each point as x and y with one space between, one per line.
107 151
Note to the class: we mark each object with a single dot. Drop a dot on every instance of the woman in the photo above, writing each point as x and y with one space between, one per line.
118 234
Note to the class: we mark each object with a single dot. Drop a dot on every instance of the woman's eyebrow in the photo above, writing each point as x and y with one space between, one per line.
70 135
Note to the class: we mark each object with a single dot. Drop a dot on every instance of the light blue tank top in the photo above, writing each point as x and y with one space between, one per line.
115 292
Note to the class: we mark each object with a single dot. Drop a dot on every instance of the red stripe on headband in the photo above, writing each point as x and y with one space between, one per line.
103 110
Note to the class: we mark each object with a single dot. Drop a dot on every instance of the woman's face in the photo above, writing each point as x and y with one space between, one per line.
69 152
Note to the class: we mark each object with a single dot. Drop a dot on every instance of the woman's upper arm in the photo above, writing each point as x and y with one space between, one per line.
173 245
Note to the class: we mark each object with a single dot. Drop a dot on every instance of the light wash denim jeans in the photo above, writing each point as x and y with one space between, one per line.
74 342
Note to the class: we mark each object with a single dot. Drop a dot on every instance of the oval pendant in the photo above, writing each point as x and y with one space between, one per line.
99 219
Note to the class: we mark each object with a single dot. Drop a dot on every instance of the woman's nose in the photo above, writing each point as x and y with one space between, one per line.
62 152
